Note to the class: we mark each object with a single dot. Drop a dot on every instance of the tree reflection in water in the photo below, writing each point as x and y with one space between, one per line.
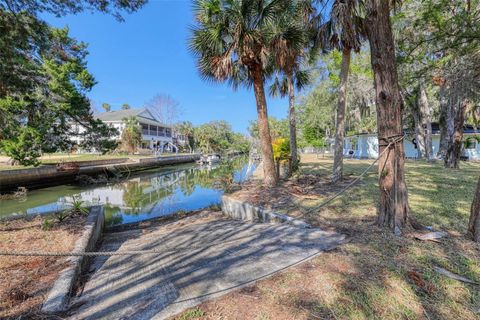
186 189
148 194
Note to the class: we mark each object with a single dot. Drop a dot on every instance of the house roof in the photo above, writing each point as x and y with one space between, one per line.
119 115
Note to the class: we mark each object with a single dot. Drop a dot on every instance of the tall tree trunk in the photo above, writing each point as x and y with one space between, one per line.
393 207
419 131
443 119
269 172
451 113
426 120
452 157
292 120
474 222
340 128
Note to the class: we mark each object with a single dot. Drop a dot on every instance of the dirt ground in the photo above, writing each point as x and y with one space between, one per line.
376 275
25 281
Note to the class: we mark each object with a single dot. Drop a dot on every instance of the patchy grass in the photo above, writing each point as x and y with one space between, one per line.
192 314
375 275
25 281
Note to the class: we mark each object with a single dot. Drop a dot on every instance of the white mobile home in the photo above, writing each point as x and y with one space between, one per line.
365 145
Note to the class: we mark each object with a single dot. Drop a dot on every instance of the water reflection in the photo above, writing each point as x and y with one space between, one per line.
150 194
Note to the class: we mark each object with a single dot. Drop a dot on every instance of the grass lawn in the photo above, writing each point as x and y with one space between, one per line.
376 275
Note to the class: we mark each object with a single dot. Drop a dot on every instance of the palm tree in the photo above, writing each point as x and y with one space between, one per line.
344 32
106 107
289 48
232 41
285 86
131 134
186 129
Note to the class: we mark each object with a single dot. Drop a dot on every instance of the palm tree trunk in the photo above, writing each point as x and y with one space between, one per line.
340 128
269 172
474 222
393 208
292 121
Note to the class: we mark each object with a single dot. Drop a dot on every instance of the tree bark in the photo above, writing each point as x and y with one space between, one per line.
292 121
443 119
474 222
269 172
393 208
426 120
423 124
452 157
340 128
419 131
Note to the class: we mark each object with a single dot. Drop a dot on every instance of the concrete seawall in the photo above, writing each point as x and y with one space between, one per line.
59 295
49 175
242 210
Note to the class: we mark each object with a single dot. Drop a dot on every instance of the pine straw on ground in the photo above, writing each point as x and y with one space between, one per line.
25 281
376 275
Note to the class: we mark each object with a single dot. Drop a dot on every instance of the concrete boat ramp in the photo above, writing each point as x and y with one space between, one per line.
200 257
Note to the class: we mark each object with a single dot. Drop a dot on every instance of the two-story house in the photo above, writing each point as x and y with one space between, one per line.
155 134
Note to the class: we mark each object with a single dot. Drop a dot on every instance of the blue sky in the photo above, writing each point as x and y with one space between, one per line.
147 54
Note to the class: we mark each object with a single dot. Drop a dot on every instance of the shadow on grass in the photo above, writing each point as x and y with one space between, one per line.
394 277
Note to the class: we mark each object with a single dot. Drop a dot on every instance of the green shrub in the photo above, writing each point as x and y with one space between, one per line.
62 215
77 206
47 224
281 149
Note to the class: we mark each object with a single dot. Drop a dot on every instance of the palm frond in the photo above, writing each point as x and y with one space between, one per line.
302 79
274 88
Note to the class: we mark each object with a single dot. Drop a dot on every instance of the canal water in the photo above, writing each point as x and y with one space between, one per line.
145 195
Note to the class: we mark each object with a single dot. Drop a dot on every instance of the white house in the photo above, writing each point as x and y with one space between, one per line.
365 145
155 134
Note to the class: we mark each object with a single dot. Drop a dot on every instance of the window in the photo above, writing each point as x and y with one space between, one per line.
168 132
471 143
153 130
161 131
144 129
354 144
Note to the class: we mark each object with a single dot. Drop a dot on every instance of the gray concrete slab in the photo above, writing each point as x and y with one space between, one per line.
202 257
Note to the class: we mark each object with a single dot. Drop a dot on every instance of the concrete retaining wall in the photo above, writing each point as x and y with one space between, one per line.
142 164
172 159
49 176
11 179
88 163
242 210
59 295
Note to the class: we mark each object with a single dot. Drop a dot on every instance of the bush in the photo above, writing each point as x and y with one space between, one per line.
281 149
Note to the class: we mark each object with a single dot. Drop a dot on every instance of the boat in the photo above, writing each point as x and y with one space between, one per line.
209 159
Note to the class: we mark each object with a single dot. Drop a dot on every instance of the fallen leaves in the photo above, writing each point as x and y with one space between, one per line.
421 283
